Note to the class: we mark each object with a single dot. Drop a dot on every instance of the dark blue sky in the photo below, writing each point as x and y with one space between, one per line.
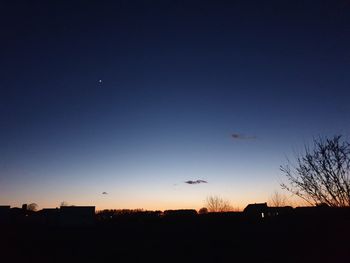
178 78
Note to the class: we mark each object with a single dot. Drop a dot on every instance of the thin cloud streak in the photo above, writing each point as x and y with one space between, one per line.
239 136
196 182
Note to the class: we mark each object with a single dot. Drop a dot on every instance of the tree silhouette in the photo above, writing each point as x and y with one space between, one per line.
277 199
32 207
64 203
322 174
217 204
203 210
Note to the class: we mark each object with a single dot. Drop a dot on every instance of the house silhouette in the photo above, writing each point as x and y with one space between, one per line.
256 210
77 215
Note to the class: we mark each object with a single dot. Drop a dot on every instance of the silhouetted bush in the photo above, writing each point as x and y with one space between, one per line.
203 210
180 213
129 215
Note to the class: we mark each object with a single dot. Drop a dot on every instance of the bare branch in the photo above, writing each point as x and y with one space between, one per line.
217 204
321 175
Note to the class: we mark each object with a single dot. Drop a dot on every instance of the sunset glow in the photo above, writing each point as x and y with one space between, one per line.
135 101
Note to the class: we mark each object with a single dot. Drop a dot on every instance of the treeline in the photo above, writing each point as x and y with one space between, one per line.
109 215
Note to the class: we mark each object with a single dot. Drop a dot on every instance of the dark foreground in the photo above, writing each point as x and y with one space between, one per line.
202 238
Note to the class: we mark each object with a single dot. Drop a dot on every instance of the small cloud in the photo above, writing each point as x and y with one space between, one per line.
239 136
104 193
196 182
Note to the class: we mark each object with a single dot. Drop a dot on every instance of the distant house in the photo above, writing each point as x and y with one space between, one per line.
259 210
320 210
278 211
4 213
16 214
21 215
77 215
49 216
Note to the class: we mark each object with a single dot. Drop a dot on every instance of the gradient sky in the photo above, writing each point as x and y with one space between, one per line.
178 78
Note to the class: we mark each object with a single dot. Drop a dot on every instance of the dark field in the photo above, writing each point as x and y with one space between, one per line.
221 237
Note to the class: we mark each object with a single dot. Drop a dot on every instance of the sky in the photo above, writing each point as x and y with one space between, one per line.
134 98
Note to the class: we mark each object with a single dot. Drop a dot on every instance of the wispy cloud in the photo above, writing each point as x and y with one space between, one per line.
104 193
239 136
196 182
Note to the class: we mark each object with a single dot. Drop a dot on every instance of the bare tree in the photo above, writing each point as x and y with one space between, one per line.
322 174
64 203
277 199
217 204
32 207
